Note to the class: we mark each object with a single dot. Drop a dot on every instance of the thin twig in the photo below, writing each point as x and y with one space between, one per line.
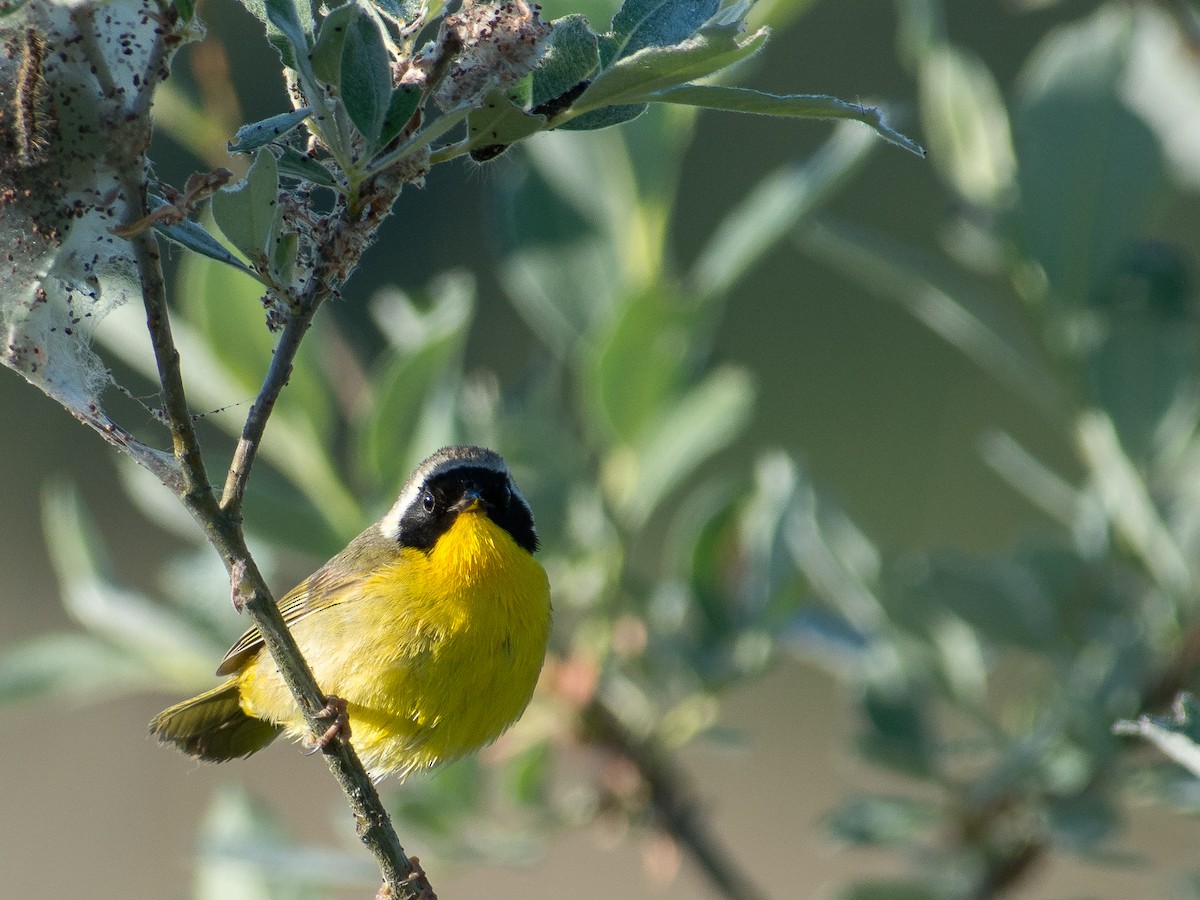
673 803
222 527
277 376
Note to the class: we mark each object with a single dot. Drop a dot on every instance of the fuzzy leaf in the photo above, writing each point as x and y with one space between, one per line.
293 164
1177 735
248 213
193 236
500 121
366 78
571 56
331 43
605 117
401 106
289 23
258 134
654 23
796 106
637 78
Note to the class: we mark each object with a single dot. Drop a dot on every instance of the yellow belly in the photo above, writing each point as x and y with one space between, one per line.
435 654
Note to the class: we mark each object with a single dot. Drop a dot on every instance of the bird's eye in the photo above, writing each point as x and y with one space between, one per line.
506 494
428 501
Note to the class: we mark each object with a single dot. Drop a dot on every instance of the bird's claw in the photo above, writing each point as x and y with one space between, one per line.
335 710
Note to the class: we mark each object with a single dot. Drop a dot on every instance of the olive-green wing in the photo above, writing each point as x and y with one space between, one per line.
321 590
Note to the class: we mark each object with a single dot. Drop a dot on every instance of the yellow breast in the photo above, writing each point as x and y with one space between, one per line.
436 653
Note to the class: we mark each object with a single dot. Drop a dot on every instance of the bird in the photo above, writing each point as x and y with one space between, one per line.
428 631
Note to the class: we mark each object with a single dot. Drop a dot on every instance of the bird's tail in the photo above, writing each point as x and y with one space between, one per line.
213 726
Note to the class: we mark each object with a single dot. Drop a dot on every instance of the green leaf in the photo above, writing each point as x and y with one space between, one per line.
1090 170
429 344
966 124
796 106
293 164
331 42
637 78
500 121
289 24
258 134
1144 361
638 365
283 258
604 117
772 209
366 78
248 212
897 734
571 56
1082 821
401 106
186 9
1129 505
878 821
654 23
406 11
193 236
150 632
70 664
692 429
558 290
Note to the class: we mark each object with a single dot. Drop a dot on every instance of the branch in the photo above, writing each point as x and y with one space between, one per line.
277 376
221 523
672 801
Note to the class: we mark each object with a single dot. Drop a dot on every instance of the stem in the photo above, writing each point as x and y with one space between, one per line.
221 522
277 376
673 803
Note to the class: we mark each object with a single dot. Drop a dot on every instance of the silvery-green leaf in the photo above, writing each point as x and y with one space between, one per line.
192 236
500 121
637 78
293 164
654 23
401 107
289 23
797 106
257 134
331 42
248 212
571 56
366 77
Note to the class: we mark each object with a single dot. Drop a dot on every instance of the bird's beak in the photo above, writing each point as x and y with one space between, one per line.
471 500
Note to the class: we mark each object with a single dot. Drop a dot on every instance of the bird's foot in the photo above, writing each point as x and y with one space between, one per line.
335 710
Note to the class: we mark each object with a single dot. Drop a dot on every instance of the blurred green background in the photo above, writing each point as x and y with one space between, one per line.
886 416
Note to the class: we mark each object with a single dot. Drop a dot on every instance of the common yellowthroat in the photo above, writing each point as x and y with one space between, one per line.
431 626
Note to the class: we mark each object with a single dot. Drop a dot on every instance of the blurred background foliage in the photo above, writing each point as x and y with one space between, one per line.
636 318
